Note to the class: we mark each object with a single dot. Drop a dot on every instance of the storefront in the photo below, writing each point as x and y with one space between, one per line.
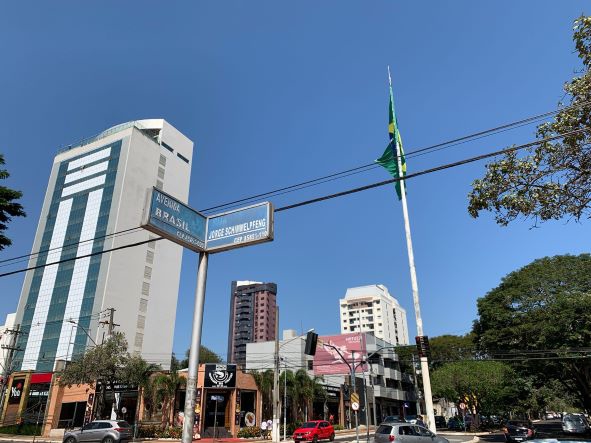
26 398
224 397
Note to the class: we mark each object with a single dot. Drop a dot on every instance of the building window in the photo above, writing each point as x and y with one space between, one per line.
150 257
143 305
310 365
162 160
159 184
164 145
183 158
147 272
152 244
161 173
145 288
139 340
141 321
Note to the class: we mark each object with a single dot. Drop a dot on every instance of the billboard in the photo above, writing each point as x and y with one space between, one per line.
351 348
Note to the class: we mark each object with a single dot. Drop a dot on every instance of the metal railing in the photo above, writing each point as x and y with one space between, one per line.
106 133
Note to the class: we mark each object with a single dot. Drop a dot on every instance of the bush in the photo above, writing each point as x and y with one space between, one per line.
338 427
25 429
154 431
249 432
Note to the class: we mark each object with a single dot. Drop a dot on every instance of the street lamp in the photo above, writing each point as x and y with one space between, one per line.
74 322
276 392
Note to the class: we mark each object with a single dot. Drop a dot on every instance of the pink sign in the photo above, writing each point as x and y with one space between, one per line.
351 347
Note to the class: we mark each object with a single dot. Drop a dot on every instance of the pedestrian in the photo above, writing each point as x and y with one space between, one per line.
264 429
420 421
269 427
331 419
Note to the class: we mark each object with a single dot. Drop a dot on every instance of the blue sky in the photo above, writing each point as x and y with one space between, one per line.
274 93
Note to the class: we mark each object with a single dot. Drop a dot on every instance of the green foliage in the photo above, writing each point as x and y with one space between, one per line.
104 364
26 429
553 180
8 206
206 355
542 312
249 432
338 427
485 386
152 431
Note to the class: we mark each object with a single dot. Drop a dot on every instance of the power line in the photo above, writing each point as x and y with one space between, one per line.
335 195
410 154
426 171
331 177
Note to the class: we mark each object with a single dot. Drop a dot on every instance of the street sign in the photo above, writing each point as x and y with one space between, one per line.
462 405
241 227
355 397
355 406
168 217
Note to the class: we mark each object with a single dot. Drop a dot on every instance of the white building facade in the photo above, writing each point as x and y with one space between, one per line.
372 309
95 200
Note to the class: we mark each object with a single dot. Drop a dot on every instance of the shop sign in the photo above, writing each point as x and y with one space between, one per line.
16 390
220 376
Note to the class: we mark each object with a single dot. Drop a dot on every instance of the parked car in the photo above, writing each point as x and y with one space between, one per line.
393 419
440 422
407 433
518 430
313 431
105 431
575 424
456 424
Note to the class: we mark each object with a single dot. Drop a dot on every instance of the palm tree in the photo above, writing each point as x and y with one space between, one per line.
164 387
264 382
137 372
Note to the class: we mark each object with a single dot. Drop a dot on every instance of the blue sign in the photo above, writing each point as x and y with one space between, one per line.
175 221
242 227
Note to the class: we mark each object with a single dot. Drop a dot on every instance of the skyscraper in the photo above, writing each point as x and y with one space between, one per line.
252 317
372 309
94 201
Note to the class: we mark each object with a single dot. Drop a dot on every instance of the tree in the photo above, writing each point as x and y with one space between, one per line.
553 180
8 207
163 389
103 365
540 317
264 382
484 386
206 355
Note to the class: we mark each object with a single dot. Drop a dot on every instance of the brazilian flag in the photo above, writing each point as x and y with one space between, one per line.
389 158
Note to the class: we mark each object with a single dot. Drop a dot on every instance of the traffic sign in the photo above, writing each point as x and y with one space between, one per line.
462 406
355 406
355 398
241 227
168 217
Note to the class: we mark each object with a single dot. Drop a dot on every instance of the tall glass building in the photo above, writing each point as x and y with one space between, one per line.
95 200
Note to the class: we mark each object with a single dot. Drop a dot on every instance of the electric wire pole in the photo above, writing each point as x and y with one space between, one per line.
11 347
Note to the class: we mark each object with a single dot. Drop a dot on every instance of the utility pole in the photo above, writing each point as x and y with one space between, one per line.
8 363
110 323
275 430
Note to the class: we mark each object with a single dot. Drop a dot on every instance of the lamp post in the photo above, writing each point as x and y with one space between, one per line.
276 432
77 325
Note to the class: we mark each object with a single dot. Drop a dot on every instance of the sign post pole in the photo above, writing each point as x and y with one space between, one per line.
194 351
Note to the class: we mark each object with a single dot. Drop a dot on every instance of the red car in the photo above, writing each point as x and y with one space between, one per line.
314 431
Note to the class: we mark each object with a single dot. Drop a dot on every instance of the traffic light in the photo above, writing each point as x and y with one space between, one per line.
423 345
311 341
346 392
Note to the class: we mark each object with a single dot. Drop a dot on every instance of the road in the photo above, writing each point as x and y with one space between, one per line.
350 438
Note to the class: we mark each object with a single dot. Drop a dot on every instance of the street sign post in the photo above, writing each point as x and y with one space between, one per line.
355 406
241 227
172 219
166 216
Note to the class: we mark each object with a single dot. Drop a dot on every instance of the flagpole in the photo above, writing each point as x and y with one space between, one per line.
413 279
